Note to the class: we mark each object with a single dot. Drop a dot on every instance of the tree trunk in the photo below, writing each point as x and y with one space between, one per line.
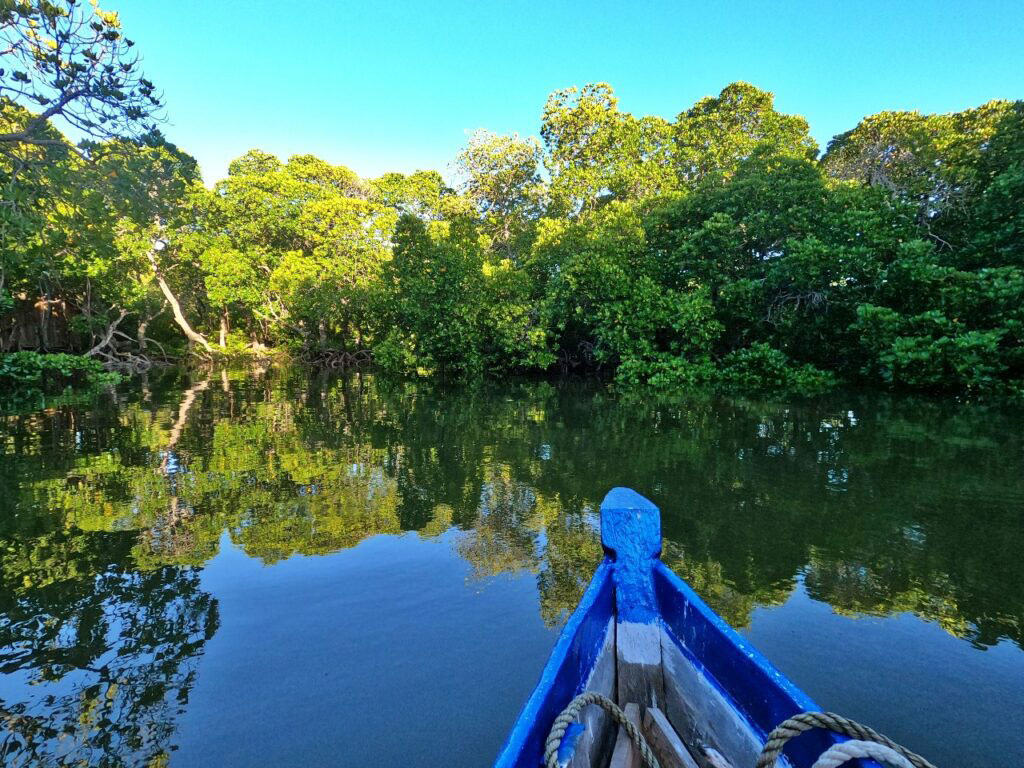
107 336
141 334
44 314
179 317
223 327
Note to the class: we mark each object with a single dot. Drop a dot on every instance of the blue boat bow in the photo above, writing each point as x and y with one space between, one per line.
641 634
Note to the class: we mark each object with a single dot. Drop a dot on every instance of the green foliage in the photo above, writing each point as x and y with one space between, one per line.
997 231
433 296
26 372
587 264
452 311
761 367
502 179
72 61
716 134
595 153
715 249
515 329
931 351
396 354
941 328
423 194
655 328
943 165
229 277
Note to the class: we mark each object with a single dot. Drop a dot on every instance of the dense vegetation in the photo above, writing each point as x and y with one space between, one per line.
720 247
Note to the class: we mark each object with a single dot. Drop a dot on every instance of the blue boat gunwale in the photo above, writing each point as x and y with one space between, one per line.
758 659
782 699
553 690
631 583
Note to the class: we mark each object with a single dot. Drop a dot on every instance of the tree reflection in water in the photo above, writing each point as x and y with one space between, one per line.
878 505
106 653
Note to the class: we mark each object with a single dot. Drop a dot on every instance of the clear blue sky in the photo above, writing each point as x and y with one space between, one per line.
381 86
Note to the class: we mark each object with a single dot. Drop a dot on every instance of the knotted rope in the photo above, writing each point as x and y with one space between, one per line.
571 712
830 721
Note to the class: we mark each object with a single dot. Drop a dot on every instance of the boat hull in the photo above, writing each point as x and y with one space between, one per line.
641 634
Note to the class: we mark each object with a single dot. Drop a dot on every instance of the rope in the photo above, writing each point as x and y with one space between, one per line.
807 721
865 741
571 712
841 753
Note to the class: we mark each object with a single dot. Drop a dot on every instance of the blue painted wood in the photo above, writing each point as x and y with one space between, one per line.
565 675
631 536
633 585
759 692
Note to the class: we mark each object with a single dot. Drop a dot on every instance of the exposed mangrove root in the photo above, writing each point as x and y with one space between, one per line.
119 352
582 357
341 359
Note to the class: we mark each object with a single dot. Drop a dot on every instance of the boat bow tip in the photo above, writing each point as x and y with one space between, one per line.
630 525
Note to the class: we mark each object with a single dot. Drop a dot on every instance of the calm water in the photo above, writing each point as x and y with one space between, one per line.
285 570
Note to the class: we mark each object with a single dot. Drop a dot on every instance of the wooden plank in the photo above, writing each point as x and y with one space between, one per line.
667 746
579 648
700 712
599 728
638 653
730 675
631 535
625 754
715 759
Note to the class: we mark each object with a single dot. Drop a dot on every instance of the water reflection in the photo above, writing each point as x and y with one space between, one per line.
877 505
100 656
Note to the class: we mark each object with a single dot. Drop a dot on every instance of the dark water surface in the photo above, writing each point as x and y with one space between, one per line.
288 570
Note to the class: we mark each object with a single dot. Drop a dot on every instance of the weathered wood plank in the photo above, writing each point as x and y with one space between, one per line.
581 644
599 728
625 754
700 713
638 652
715 759
667 746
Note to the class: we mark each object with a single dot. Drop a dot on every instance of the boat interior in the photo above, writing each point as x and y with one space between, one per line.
686 719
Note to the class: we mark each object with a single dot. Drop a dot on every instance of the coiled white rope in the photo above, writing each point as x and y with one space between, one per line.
830 721
849 750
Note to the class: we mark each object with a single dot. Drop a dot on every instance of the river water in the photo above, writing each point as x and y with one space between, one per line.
290 569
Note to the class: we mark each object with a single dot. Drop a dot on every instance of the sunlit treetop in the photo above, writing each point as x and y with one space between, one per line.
69 62
717 133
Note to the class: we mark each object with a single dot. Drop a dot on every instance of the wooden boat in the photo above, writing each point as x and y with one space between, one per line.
703 697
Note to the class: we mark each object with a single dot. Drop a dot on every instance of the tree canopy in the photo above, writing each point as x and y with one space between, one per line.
72 62
716 248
